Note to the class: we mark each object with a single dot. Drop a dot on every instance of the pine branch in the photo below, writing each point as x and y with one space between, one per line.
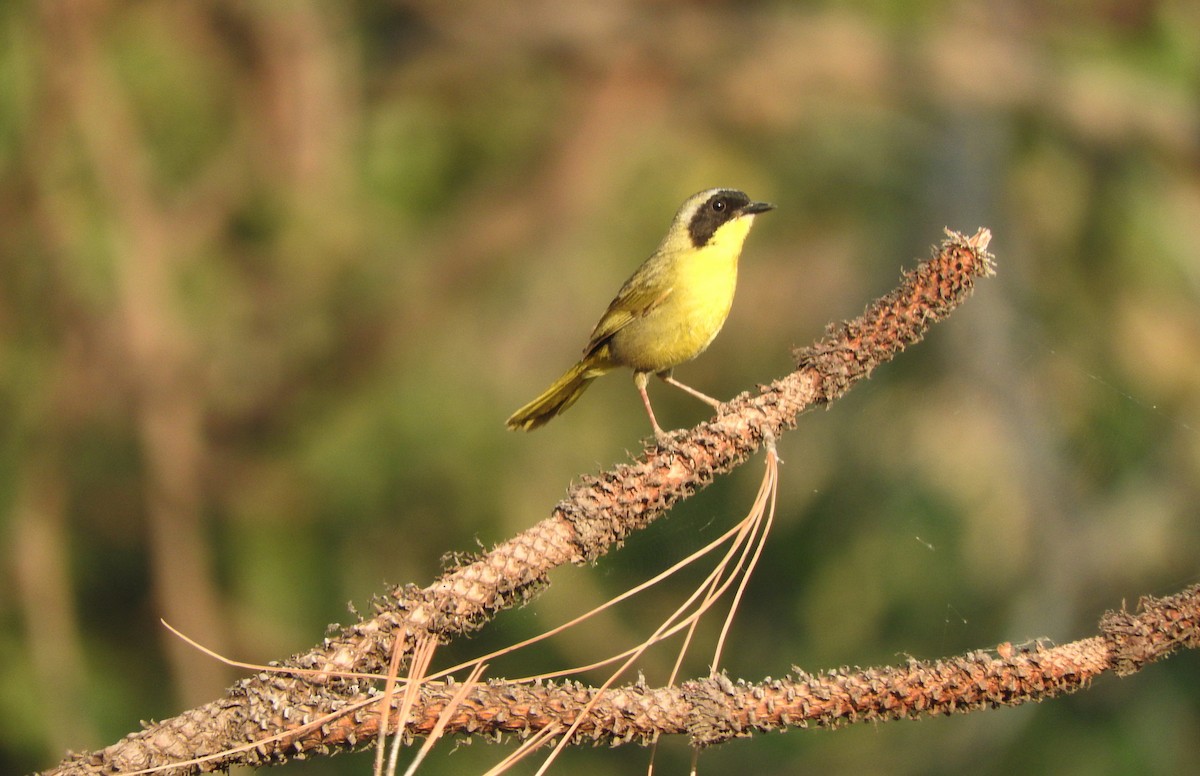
713 710
599 512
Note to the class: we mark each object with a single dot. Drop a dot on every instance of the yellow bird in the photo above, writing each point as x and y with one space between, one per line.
668 311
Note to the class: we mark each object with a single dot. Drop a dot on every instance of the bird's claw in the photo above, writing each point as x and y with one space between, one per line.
665 439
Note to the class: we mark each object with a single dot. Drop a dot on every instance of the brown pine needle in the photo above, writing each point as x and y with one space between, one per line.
672 624
764 514
444 717
750 525
259 667
733 532
385 703
422 656
713 587
527 747
764 502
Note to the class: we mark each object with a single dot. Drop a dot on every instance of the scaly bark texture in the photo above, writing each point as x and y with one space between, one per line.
713 710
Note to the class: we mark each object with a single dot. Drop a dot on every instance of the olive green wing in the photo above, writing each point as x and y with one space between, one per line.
634 301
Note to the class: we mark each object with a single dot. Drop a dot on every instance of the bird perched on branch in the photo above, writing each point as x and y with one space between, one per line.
668 311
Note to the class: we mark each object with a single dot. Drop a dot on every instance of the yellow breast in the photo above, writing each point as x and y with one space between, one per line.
702 283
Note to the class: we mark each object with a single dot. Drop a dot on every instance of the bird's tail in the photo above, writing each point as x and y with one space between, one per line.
557 398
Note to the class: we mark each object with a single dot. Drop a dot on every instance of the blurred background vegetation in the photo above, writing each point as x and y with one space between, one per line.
272 275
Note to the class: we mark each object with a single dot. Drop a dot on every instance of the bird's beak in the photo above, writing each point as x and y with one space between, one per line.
757 207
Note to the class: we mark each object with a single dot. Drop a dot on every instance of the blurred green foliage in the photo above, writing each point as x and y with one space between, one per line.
272 276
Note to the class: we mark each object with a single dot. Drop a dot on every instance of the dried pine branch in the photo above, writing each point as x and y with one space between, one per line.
598 512
713 710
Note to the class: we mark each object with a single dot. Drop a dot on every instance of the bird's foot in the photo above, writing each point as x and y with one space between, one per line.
666 439
704 397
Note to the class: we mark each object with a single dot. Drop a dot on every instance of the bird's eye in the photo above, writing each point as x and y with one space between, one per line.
718 205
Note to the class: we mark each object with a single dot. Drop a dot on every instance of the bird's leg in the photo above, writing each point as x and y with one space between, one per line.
640 379
704 397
